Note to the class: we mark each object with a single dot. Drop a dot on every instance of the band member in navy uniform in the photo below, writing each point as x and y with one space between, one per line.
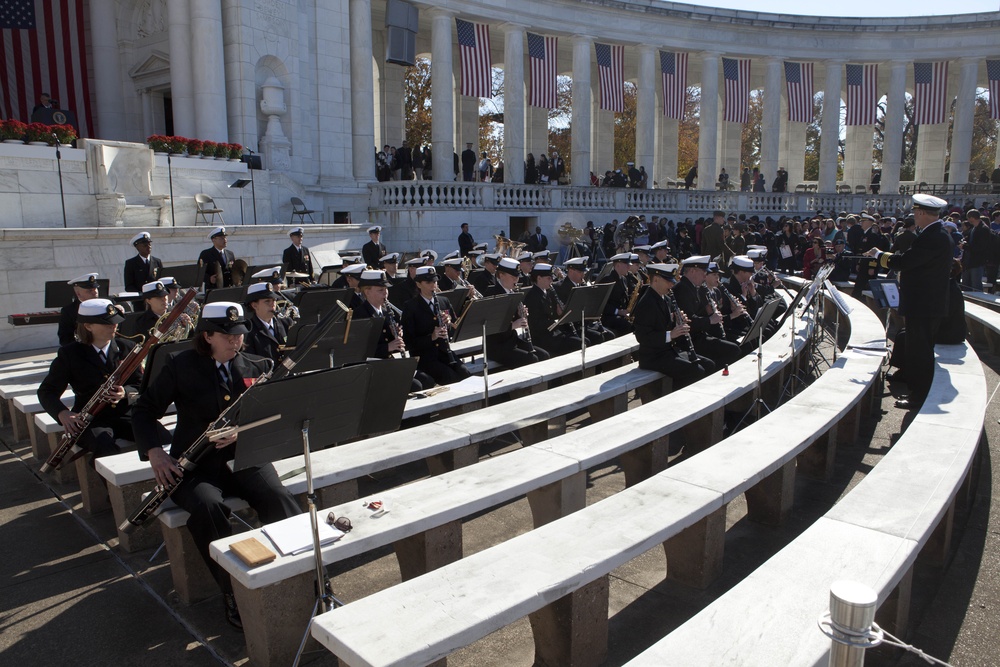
201 383
508 348
267 331
352 276
154 298
390 264
703 314
296 258
452 278
924 270
663 334
487 278
525 263
576 276
346 261
84 289
406 288
374 249
85 365
216 256
427 319
616 308
142 267
544 308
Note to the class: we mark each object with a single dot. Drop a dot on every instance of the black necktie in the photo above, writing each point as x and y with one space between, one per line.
224 374
103 356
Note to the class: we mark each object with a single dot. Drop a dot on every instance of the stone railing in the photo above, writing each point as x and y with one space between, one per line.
427 195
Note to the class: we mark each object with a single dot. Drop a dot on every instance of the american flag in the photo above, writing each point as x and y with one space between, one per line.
993 74
799 81
674 70
43 50
477 67
542 57
737 75
930 92
862 99
610 59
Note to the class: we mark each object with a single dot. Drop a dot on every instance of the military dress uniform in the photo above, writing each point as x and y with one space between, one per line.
542 312
140 270
66 331
614 316
264 340
693 300
212 258
508 348
298 260
371 252
419 319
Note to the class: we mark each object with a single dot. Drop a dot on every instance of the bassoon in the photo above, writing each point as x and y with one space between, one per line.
203 444
69 448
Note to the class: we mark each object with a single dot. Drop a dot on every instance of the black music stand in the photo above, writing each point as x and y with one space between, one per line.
158 357
313 304
241 183
186 275
253 163
332 350
484 317
237 294
585 302
756 330
456 297
391 383
58 293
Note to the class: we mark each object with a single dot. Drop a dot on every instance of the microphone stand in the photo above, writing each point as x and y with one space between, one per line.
62 195
253 186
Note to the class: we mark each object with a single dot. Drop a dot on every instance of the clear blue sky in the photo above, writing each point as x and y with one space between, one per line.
862 8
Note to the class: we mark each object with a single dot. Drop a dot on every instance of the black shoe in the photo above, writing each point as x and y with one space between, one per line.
232 611
898 376
907 404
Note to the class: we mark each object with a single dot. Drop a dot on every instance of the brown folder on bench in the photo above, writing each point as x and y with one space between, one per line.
252 552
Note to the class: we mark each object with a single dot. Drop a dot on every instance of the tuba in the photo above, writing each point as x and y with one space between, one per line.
182 327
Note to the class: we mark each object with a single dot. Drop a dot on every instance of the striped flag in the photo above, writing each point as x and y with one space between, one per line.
862 99
674 70
993 74
477 67
799 83
43 50
542 57
930 92
610 59
737 75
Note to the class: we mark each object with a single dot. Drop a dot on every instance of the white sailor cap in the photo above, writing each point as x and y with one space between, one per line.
741 262
641 248
758 247
622 257
425 273
541 254
757 254
350 258
429 253
170 282
541 269
100 311
453 254
155 288
479 246
657 246
867 216
295 230
374 278
391 258
454 261
508 265
223 317
272 274
697 261
633 257
142 237
88 280
525 256
257 291
492 258
668 271
353 270
579 263
218 231
928 202
374 229
416 261
713 267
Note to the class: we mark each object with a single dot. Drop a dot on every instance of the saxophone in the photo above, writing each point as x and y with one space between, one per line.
633 299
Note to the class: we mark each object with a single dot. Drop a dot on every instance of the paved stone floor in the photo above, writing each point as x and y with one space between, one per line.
68 595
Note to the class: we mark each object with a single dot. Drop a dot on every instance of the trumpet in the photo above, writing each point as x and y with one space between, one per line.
285 309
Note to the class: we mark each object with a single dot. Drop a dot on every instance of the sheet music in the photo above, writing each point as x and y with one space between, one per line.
294 535
838 298
891 292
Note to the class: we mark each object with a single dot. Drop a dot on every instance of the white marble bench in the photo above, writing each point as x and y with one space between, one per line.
425 522
557 573
17 385
902 508
983 324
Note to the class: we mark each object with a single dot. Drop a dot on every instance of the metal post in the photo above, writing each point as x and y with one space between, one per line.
852 612
170 178
486 371
62 196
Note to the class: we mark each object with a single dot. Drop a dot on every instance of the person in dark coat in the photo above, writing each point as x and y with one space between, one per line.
924 271
871 237
155 300
977 251
427 320
530 171
142 267
296 258
85 287
615 316
537 241
663 335
704 318
466 243
508 348
85 365
374 250
267 332
544 308
468 162
216 259
203 382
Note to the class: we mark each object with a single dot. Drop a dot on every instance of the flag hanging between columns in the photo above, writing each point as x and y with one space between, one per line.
930 88
993 74
610 59
737 75
674 71
43 50
542 57
862 100
477 67
799 83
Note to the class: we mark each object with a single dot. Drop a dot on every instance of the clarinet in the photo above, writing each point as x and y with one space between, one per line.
397 329
69 444
736 303
522 313
203 444
678 320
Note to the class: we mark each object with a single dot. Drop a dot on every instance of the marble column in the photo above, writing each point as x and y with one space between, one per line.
443 116
513 103
645 112
770 140
181 74
858 148
210 111
709 115
602 129
148 126
829 155
794 160
537 131
362 91
109 96
730 147
390 126
895 121
932 146
583 46
961 134
668 142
